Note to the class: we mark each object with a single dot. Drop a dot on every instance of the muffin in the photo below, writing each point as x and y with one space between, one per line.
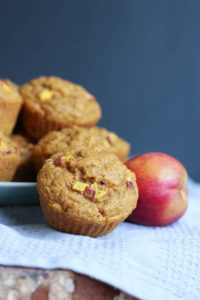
9 158
25 170
52 103
10 104
78 136
86 191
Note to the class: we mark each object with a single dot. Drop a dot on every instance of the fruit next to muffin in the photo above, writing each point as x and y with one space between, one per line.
162 184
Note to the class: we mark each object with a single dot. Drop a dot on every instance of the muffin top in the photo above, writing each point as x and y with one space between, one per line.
78 136
9 91
24 146
88 185
61 101
8 147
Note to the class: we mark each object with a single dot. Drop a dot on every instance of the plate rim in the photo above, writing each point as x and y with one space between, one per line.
17 184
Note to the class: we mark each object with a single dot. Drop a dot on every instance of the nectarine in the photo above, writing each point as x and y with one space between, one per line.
162 182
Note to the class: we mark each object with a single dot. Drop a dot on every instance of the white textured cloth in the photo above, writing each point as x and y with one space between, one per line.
149 263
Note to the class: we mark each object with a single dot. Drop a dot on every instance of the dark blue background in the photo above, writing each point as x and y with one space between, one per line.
141 59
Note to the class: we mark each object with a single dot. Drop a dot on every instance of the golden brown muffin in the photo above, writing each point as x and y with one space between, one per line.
10 104
25 170
86 191
52 103
9 158
56 141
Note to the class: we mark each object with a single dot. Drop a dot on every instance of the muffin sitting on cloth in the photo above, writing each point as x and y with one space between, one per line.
10 104
52 103
9 158
86 191
74 137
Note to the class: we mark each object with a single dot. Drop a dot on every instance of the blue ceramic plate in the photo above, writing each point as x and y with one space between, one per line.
18 193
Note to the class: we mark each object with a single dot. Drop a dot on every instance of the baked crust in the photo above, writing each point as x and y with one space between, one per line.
85 191
75 137
25 170
52 103
10 105
9 158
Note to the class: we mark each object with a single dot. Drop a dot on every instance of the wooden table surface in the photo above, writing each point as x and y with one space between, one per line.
39 284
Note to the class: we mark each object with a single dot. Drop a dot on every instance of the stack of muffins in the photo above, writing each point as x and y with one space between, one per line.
83 185
15 150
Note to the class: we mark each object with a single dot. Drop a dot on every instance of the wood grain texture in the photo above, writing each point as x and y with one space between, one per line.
38 284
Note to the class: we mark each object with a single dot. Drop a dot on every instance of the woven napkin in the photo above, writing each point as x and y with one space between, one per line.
146 262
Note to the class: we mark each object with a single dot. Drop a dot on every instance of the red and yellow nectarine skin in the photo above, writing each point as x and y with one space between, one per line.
162 182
